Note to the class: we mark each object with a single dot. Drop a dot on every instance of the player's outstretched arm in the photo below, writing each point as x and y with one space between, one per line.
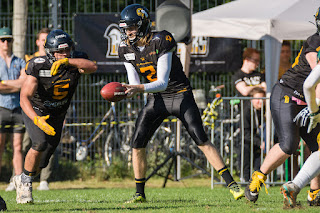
84 65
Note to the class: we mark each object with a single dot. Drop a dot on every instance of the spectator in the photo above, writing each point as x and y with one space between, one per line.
12 76
285 56
41 38
254 119
247 77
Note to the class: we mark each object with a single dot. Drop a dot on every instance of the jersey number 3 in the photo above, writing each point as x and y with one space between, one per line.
57 93
150 73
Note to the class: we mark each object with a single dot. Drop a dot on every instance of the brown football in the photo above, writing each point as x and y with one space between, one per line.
113 92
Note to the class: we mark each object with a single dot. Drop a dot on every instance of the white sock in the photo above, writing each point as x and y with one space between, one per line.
310 169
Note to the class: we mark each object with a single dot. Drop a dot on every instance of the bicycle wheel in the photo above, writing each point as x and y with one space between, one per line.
118 143
107 154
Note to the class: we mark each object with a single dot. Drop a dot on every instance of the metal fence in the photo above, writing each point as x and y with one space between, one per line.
88 108
234 145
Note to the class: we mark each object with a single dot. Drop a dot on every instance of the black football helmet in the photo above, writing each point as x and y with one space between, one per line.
135 15
57 40
3 205
317 16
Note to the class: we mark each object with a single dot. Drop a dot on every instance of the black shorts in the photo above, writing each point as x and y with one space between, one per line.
283 111
11 121
158 107
40 140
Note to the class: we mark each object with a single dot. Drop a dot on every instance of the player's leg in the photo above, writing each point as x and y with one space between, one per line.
149 119
311 140
45 174
17 138
139 163
2 145
5 116
314 192
37 157
185 108
17 160
309 171
283 111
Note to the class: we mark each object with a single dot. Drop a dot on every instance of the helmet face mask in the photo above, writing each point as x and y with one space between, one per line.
317 17
134 15
57 41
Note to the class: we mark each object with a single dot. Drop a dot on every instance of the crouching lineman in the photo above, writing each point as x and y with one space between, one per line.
152 56
45 98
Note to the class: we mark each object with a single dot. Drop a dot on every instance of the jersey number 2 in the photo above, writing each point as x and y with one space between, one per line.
150 76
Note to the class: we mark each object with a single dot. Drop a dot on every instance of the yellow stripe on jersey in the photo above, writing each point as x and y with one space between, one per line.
183 90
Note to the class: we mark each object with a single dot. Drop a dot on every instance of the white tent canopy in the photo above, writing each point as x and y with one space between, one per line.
270 20
253 19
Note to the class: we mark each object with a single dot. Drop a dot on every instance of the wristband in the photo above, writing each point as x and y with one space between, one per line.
315 113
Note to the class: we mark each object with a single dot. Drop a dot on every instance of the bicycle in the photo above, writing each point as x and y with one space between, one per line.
117 140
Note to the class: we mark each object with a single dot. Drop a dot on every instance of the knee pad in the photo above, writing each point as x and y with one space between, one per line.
39 147
288 148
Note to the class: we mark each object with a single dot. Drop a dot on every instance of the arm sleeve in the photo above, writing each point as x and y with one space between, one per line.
163 72
309 88
133 76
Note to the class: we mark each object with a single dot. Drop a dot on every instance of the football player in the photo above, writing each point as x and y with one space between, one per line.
287 100
45 98
152 56
311 167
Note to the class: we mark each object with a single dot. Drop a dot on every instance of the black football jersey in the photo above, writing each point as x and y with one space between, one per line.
297 74
54 93
145 61
251 79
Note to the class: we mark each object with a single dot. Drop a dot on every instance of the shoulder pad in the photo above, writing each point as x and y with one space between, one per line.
123 44
38 60
161 34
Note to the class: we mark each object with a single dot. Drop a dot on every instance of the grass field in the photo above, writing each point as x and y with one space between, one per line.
192 195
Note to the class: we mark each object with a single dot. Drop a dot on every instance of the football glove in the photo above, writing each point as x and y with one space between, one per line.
57 64
40 121
314 120
302 117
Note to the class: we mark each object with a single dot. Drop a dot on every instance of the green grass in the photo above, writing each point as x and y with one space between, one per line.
193 195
